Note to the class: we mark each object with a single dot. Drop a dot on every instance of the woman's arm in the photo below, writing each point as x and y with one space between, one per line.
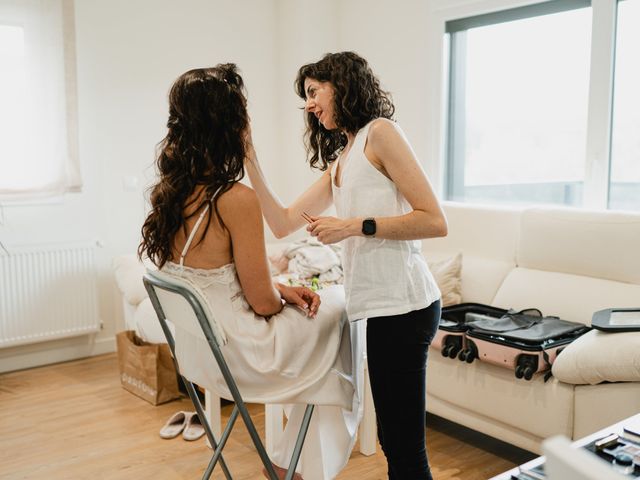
241 213
285 220
390 152
240 210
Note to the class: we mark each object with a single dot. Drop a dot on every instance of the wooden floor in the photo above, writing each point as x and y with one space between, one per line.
74 421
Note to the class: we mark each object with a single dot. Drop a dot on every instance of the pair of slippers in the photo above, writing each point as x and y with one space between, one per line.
187 423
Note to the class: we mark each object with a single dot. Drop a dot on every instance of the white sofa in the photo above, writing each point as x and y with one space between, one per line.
566 262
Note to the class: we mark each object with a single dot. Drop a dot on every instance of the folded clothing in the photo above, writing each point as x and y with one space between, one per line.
301 262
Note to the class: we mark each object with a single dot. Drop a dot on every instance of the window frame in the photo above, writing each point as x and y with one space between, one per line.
448 17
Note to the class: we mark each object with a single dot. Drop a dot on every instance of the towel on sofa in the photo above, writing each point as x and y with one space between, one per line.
311 258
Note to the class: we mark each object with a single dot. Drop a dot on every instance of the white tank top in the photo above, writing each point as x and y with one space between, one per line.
381 277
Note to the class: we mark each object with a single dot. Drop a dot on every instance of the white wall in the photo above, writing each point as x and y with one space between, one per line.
306 30
392 36
129 54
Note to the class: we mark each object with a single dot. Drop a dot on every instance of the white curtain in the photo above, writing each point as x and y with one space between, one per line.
38 112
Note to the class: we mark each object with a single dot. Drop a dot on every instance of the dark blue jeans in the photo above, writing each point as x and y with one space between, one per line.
397 361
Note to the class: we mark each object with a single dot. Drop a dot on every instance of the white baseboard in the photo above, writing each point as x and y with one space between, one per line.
36 355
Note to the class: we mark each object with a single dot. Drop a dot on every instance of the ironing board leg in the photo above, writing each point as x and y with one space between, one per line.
368 429
212 410
274 415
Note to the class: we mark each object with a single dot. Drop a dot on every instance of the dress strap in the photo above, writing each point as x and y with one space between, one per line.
361 137
195 229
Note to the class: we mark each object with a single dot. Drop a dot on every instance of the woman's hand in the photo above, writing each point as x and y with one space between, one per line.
300 296
332 230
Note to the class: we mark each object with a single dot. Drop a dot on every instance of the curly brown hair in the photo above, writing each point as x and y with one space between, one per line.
204 146
358 99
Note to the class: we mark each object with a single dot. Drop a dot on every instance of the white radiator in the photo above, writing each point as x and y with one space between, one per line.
47 292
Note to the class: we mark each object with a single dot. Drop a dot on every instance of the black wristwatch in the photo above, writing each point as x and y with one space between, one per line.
369 227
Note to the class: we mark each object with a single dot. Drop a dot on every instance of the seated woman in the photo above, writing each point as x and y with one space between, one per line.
286 344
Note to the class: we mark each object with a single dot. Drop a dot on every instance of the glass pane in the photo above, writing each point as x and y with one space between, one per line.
12 107
624 190
523 131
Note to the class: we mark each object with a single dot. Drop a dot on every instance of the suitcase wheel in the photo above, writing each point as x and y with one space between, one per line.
453 351
468 354
525 371
450 350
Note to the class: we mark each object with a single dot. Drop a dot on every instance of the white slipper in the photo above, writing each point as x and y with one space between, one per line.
174 425
193 429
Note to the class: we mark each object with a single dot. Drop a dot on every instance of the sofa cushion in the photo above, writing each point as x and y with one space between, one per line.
128 272
486 237
570 297
447 274
481 231
482 277
595 244
147 325
598 357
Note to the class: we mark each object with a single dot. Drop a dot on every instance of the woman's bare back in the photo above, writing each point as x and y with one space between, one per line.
211 246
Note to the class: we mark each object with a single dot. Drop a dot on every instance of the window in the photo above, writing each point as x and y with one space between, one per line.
543 103
13 97
624 190
37 95
518 97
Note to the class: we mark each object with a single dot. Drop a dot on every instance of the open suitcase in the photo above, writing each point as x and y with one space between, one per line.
450 338
524 341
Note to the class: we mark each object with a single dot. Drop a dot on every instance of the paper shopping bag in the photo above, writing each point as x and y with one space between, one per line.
146 369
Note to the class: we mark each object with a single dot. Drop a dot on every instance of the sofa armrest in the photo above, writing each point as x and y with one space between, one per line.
128 272
598 357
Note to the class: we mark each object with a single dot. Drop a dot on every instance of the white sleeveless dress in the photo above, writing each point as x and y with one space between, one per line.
289 359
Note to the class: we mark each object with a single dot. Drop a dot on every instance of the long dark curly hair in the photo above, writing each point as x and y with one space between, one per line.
204 146
358 99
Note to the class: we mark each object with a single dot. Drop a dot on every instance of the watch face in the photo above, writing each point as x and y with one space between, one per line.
369 226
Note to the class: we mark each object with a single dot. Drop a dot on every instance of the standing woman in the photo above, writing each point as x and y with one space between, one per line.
385 205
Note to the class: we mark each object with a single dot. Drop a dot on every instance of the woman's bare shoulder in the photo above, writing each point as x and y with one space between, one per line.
239 198
383 128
